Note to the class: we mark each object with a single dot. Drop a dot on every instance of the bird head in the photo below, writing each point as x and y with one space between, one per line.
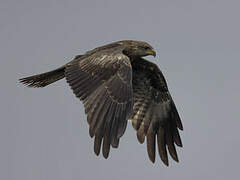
137 48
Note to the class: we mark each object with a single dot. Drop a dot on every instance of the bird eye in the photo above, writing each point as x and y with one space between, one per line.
146 47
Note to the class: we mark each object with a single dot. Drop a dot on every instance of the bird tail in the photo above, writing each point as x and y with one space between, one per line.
44 79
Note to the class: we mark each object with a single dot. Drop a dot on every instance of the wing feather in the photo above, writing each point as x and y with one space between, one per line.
151 138
154 112
162 145
103 82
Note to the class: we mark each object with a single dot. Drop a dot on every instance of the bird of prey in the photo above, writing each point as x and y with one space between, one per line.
116 84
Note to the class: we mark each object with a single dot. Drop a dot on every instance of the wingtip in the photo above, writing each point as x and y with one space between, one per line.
97 152
180 127
105 155
175 158
179 145
105 149
166 163
140 137
91 132
152 159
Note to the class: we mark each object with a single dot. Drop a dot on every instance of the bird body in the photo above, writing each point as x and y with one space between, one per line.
115 83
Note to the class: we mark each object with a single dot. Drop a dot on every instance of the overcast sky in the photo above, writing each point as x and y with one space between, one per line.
44 132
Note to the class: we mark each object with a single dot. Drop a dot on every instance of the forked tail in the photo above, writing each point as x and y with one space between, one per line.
44 79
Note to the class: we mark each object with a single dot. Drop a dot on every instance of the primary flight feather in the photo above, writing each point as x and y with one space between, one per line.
115 84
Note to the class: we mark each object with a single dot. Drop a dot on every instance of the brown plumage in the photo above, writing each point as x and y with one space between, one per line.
115 84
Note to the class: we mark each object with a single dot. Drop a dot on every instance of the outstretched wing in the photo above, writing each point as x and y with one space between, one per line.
103 82
154 112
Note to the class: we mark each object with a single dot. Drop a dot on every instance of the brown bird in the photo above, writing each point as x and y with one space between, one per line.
115 85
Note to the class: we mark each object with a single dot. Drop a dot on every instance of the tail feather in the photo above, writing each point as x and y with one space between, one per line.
44 79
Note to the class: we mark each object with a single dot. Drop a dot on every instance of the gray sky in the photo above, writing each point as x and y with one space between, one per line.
44 133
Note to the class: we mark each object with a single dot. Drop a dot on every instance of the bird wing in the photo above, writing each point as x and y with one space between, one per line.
103 82
154 112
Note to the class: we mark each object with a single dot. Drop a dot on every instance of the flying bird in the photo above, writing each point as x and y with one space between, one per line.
116 84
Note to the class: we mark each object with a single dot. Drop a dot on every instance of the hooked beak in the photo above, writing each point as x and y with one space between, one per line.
152 52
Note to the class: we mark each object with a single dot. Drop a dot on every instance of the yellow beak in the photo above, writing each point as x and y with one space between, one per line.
151 52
